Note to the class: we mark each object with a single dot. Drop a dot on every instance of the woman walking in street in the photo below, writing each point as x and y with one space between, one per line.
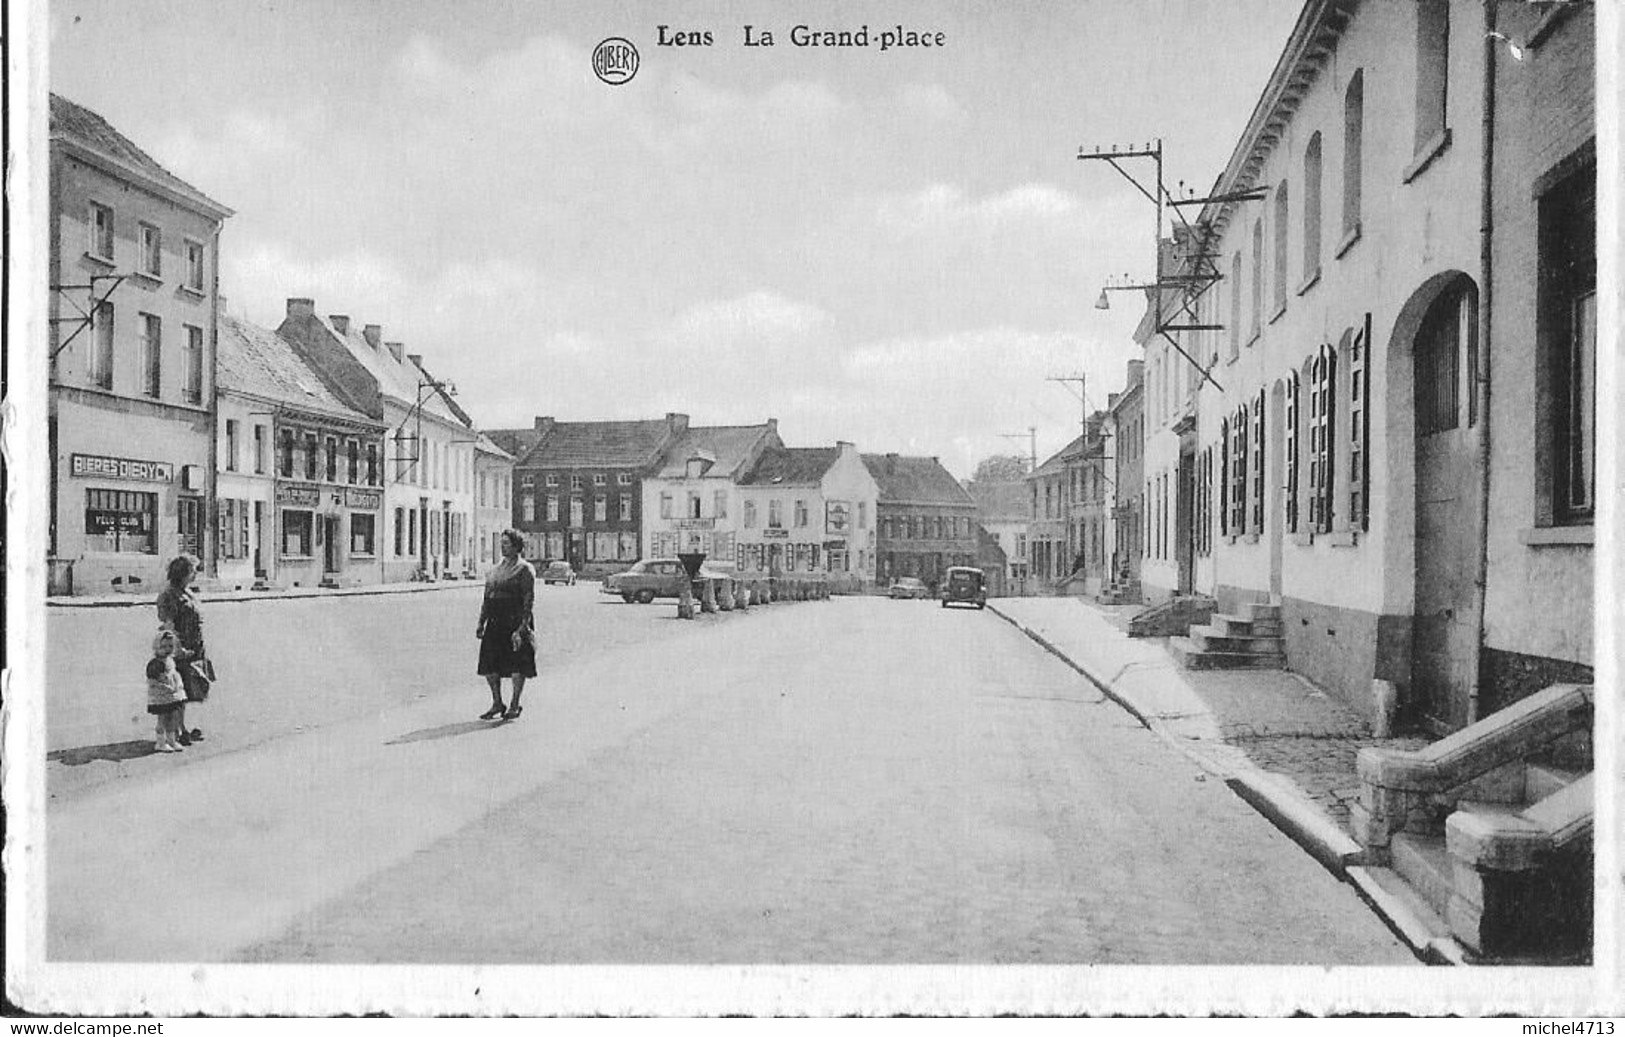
178 609
507 628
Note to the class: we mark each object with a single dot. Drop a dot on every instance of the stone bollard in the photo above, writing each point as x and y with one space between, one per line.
725 596
708 595
685 600
742 596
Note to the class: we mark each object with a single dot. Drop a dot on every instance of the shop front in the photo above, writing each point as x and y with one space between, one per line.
327 536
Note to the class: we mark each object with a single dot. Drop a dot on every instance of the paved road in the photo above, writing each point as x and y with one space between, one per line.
856 781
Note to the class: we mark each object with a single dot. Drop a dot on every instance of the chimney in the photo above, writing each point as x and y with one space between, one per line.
1136 371
341 323
1111 400
374 335
772 424
301 308
676 422
396 350
544 424
891 464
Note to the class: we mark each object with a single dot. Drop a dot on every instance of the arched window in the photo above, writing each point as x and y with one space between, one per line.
1290 436
1258 281
1322 407
1311 207
1353 146
1281 214
1235 305
1439 345
1224 477
1256 465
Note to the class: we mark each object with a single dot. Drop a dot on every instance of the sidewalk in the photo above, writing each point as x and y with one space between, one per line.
1282 744
149 594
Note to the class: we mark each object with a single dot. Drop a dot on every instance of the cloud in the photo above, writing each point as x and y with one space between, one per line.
944 208
759 317
929 101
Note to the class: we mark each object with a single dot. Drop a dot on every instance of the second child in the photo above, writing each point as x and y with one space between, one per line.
166 696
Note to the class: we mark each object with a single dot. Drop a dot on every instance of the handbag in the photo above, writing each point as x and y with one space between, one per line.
197 678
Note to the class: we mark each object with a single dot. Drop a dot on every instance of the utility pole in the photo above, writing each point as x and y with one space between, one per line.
1083 401
1031 435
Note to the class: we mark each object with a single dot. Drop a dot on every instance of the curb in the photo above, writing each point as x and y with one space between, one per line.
1299 821
134 600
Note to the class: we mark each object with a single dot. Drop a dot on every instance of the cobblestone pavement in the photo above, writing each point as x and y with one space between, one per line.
934 790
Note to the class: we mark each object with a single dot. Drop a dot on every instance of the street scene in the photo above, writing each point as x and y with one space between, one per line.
535 486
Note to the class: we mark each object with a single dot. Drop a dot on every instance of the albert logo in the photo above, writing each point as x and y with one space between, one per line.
615 61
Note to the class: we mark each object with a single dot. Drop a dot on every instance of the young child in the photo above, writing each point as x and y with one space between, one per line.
165 693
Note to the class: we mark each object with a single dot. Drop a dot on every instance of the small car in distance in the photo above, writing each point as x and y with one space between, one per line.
559 572
908 587
647 580
965 585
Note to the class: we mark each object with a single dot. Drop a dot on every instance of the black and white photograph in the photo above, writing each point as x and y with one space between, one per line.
828 508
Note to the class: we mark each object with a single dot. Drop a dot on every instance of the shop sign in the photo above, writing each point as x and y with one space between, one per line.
835 545
776 534
837 517
103 522
696 523
94 466
368 500
304 496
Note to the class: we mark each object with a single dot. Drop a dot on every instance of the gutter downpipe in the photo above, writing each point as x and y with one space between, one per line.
1486 295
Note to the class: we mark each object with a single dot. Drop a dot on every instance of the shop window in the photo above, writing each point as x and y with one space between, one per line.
121 521
101 232
361 534
296 534
101 350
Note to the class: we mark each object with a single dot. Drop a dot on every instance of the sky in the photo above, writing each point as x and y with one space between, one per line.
895 248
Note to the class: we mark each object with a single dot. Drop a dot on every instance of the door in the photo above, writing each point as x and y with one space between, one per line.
189 525
1184 525
1444 644
259 533
330 544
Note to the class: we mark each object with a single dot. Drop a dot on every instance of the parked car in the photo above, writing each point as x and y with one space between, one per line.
651 578
965 584
559 572
908 587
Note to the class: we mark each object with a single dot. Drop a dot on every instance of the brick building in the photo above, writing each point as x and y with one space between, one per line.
927 519
578 487
134 258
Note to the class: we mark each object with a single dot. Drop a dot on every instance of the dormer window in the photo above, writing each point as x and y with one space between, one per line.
698 466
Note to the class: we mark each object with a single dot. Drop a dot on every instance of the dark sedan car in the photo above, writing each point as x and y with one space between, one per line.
559 572
965 585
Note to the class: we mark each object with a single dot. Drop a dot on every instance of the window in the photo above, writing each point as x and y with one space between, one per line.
527 480
750 514
1311 208
624 479
1353 145
101 351
400 531
372 464
1281 215
152 251
285 461
310 455
719 504
801 514
1235 306
1359 398
192 387
152 347
575 482
352 467
1567 333
101 232
775 514
863 514
552 480
121 521
693 504
1291 438
600 508
1258 281
599 479
665 506
296 541
231 444
1322 407
552 507
527 508
1438 366
1432 69
1256 464
1239 457
626 507
361 533
331 469
194 265
259 449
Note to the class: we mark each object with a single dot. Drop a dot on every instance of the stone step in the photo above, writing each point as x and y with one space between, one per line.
1257 610
1193 656
1541 780
1240 626
1212 639
1424 863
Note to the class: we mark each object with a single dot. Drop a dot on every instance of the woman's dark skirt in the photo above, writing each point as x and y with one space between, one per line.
497 655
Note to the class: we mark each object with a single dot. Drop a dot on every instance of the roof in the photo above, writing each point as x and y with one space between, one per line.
1001 500
515 441
399 379
1057 461
732 447
791 466
593 444
483 445
914 480
83 127
253 360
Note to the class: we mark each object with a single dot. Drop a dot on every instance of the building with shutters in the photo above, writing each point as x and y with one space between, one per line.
692 501
808 511
927 519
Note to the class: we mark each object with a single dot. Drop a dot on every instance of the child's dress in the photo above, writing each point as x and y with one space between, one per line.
165 692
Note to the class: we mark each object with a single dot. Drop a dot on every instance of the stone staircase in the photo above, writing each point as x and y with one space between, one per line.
1486 836
1251 640
1171 618
1120 592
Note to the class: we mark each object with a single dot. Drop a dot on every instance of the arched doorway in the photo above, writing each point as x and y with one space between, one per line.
1448 607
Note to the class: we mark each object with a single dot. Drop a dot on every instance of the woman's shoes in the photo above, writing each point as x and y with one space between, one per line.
513 712
197 734
494 713
184 738
165 747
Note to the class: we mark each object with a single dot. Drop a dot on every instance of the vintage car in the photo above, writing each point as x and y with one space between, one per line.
964 585
652 578
558 572
908 587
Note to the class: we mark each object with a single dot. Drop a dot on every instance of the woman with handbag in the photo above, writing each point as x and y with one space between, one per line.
507 627
178 608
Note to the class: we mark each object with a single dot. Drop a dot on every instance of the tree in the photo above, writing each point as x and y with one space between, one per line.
1001 468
